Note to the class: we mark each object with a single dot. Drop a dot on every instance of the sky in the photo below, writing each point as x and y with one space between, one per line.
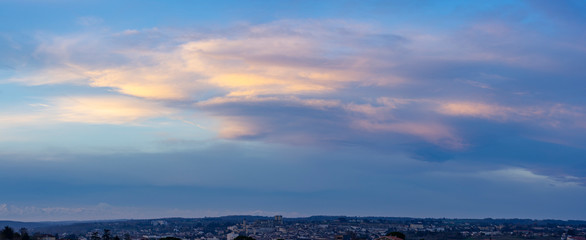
148 109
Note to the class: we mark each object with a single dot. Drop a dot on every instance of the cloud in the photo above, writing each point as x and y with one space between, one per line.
432 132
88 109
475 110
490 95
338 79
30 212
89 20
261 60
105 211
307 120
292 101
553 115
234 128
53 76
525 176
98 211
107 110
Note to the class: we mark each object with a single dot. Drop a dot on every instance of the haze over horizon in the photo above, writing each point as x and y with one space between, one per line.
148 109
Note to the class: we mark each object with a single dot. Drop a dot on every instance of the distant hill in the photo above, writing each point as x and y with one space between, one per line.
41 226
18 225
125 224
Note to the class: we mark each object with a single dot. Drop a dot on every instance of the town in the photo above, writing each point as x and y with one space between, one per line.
316 227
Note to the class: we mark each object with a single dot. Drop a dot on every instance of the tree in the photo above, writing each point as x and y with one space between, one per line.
7 233
70 237
396 234
95 236
24 234
571 232
170 238
244 238
106 235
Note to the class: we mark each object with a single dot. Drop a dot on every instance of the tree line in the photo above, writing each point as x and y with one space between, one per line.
9 234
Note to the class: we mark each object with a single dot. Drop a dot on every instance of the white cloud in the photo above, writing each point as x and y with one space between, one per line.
89 20
525 176
57 213
105 211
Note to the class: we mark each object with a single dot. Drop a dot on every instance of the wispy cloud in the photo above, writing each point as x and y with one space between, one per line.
553 115
435 100
89 20
88 109
277 58
525 176
432 132
108 110
344 76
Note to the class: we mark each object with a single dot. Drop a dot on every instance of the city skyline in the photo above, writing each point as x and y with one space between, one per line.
148 109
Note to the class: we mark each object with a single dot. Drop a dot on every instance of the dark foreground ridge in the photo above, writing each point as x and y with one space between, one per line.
277 227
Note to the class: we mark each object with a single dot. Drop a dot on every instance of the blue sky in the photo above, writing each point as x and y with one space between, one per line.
142 109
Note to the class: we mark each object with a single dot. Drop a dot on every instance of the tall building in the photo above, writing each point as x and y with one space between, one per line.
278 220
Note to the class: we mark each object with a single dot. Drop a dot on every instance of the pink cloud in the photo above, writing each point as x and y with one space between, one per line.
431 132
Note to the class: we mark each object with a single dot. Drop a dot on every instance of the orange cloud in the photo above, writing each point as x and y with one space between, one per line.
107 110
267 61
87 109
312 103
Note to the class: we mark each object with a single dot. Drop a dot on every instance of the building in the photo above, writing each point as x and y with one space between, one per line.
47 237
278 220
231 236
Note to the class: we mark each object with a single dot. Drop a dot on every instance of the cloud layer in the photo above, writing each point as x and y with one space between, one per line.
479 94
342 70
